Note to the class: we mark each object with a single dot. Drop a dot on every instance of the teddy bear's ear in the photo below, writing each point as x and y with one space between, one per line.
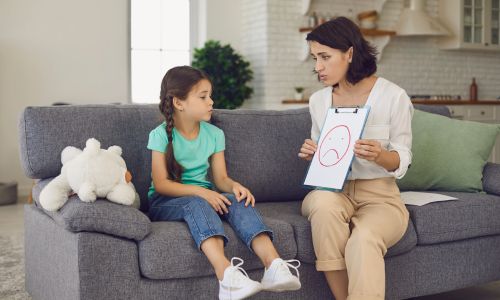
69 153
92 146
116 149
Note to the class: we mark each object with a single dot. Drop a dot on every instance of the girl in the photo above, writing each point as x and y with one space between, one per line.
183 148
352 230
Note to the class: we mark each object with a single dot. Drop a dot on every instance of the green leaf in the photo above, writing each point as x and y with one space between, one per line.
229 71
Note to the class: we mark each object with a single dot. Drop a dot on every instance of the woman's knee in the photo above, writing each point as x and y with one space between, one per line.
329 209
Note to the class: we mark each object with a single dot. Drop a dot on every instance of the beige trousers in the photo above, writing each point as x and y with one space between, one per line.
352 230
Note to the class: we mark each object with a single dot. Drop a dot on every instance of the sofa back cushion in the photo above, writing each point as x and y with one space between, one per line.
261 150
434 109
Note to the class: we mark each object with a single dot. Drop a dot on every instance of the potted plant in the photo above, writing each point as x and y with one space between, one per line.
299 93
230 73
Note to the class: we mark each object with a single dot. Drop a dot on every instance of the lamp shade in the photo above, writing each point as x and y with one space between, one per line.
415 22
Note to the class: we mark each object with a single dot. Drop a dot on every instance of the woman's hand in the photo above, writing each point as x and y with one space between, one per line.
307 150
216 200
241 193
369 150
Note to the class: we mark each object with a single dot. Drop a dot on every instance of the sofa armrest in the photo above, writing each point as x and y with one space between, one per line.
491 178
101 216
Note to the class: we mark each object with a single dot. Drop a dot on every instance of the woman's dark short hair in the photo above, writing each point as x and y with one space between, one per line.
341 33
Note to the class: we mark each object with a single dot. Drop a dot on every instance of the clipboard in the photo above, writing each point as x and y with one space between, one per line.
332 161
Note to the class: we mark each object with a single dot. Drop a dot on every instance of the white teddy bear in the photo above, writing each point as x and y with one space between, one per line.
91 173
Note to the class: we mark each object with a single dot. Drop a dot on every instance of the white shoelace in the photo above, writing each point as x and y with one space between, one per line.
287 264
236 268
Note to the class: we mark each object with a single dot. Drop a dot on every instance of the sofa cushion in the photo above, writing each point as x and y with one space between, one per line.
290 213
261 150
101 216
434 109
170 251
472 215
448 155
491 179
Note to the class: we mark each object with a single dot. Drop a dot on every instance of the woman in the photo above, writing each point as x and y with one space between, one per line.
352 229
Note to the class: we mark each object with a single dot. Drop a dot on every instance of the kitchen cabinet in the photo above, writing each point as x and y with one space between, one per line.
474 24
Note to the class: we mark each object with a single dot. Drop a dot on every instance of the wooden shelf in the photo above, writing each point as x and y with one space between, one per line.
365 32
455 102
293 101
419 101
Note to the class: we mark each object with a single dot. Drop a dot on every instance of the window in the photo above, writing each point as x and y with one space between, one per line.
160 40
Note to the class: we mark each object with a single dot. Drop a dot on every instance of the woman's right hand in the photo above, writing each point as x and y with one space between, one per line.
218 201
307 150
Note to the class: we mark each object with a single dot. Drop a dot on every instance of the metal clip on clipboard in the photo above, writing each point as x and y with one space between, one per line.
338 108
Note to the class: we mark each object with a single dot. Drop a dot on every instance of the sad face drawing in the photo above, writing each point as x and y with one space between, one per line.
334 146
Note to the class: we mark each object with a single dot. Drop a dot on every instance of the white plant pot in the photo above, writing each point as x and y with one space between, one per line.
299 96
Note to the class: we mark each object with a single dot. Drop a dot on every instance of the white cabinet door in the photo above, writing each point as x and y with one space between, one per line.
474 24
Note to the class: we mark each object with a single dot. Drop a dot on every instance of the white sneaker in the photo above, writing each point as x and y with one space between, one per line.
236 284
278 277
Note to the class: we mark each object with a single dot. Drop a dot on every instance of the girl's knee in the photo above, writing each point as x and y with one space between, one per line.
230 197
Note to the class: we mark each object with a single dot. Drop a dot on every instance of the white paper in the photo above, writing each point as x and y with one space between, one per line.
419 199
332 160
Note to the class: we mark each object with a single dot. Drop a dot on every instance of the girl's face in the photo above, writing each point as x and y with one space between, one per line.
198 105
331 64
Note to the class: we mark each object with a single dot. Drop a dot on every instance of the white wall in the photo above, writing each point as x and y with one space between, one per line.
224 22
58 50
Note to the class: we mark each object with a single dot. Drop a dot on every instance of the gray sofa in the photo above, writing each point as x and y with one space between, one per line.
108 251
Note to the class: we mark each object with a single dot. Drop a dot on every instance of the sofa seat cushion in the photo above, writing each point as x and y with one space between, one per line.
290 212
472 215
170 251
101 216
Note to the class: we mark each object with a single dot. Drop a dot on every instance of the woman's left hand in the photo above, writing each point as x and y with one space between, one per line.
369 150
241 193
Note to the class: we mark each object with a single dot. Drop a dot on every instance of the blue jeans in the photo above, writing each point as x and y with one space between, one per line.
204 222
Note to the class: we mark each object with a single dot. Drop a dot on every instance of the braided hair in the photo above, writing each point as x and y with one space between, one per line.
177 83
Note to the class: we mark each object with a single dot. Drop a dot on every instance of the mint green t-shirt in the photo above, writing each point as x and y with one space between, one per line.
193 155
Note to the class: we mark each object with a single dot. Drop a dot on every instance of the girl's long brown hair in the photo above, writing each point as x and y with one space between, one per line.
178 82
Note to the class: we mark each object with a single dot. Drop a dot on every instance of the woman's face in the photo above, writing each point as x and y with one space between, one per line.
331 64
198 105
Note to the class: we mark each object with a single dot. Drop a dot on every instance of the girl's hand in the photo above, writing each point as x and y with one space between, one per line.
241 193
307 150
369 150
216 200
